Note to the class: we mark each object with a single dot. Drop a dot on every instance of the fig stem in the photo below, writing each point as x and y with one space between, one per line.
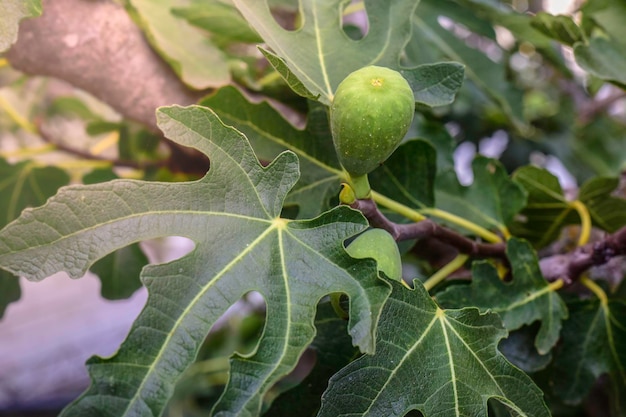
361 186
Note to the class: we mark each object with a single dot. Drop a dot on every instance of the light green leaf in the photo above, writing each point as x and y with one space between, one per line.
440 362
270 134
594 344
524 300
190 53
232 215
435 85
222 20
319 53
603 58
292 81
11 12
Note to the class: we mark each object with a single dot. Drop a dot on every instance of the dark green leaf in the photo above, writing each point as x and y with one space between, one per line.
270 134
440 362
607 211
23 185
119 272
594 343
408 176
547 210
11 12
232 215
526 299
333 351
561 27
319 53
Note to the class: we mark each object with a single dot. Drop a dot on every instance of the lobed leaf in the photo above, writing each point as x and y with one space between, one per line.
270 134
440 362
524 300
242 245
319 53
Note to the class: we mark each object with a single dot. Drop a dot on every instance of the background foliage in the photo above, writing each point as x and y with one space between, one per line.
514 263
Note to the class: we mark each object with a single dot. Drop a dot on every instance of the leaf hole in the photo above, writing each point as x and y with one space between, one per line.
288 18
354 20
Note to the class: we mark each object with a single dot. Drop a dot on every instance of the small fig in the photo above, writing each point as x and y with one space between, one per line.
371 112
379 245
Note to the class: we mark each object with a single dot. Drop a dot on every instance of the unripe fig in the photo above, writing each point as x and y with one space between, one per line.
379 245
371 112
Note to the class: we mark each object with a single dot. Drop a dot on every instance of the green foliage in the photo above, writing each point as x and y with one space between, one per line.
448 357
12 11
251 176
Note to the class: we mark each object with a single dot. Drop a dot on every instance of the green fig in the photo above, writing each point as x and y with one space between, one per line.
379 245
371 112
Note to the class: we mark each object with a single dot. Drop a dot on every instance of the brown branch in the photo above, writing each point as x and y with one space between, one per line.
428 228
569 267
95 46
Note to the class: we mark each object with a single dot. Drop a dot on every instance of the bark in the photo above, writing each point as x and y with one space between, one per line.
95 46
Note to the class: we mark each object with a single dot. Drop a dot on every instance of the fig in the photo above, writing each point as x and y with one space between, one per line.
379 245
371 112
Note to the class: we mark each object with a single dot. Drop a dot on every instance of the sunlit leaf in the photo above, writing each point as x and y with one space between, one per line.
440 362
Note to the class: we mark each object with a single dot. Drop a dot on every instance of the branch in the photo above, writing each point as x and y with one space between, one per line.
428 228
569 267
95 46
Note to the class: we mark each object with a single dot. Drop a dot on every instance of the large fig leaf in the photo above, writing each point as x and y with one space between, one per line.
524 300
242 245
440 362
594 344
11 12
23 185
319 53
270 134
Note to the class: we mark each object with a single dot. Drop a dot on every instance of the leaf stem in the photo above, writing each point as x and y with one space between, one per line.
399 208
596 289
16 117
466 224
444 272
585 221
28 152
